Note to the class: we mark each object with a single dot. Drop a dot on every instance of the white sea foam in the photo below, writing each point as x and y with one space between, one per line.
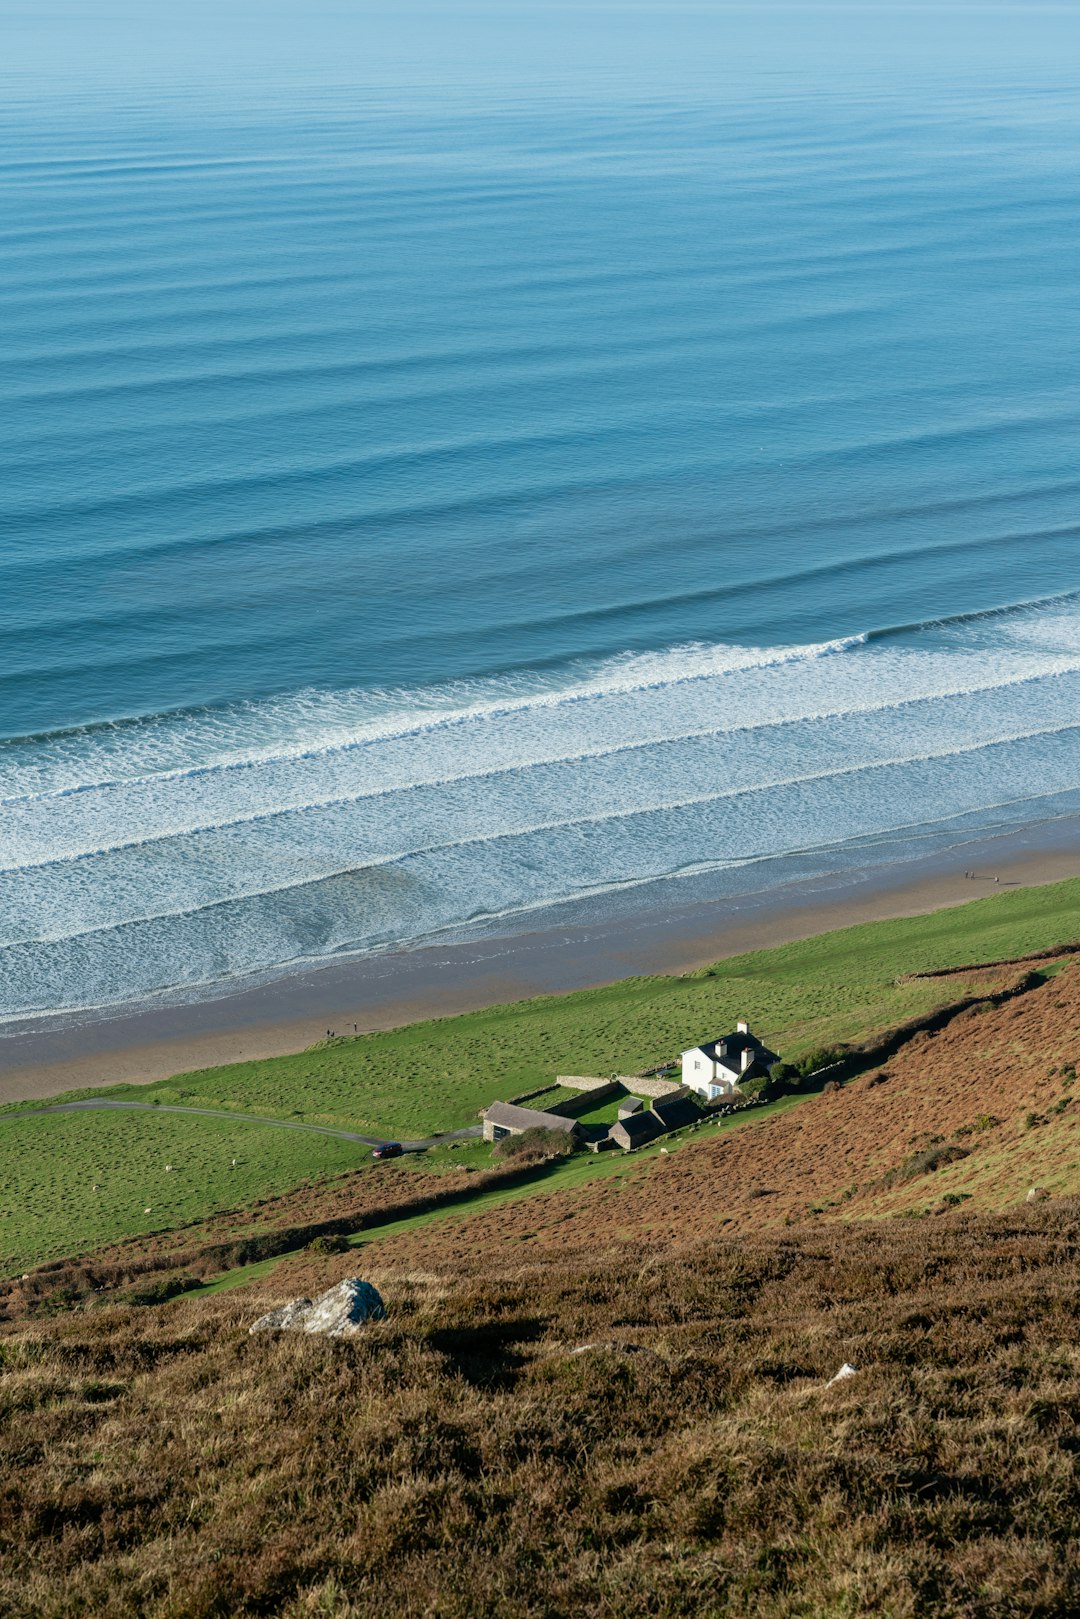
309 723
190 849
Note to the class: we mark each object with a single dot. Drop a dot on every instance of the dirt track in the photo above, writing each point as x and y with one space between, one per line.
255 1118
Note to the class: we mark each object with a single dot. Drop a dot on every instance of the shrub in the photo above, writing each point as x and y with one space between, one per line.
925 1162
328 1245
160 1292
785 1074
822 1057
755 1087
782 1079
985 1121
535 1146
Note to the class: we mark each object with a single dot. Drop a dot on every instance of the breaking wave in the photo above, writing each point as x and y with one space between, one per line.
192 850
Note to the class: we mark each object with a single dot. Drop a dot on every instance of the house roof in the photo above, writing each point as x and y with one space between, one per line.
512 1117
636 1130
678 1107
728 1049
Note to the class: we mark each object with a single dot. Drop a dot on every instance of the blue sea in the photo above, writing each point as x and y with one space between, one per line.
427 499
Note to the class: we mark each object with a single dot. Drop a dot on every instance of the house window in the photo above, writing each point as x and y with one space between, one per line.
499 1132
697 1064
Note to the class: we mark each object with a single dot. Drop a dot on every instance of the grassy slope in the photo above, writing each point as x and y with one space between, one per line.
51 1164
431 1076
459 1460
434 1075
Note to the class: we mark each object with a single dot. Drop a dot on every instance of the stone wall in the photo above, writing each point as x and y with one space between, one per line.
653 1087
636 1084
603 1092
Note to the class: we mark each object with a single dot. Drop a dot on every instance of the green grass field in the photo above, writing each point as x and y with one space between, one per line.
431 1076
437 1075
50 1165
604 1113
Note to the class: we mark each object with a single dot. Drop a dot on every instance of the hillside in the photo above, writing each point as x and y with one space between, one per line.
71 1183
993 1091
535 1434
603 1389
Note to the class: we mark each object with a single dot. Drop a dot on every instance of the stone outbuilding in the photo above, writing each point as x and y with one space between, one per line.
636 1131
502 1119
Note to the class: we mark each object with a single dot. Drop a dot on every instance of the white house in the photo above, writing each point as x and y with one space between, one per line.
714 1068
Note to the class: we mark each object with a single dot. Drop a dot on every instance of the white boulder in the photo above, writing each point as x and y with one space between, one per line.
286 1318
338 1313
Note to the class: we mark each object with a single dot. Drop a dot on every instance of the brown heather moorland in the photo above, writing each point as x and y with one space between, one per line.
470 1457
996 1085
612 1400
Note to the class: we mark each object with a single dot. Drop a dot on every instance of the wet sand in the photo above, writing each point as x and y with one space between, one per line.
663 930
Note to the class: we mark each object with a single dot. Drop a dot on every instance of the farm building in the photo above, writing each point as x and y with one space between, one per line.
635 1131
714 1068
673 1111
502 1119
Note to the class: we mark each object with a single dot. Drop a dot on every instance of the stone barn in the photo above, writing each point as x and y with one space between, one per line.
636 1131
502 1119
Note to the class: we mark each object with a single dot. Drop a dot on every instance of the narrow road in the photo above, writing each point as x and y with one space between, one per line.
470 1132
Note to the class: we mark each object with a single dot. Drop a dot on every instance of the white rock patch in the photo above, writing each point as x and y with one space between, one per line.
338 1313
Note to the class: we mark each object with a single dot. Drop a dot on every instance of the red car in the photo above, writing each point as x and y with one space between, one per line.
389 1149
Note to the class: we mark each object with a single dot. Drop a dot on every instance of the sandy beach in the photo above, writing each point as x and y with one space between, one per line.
664 929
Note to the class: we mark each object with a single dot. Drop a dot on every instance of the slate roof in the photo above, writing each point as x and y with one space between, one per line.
728 1050
512 1117
676 1109
636 1130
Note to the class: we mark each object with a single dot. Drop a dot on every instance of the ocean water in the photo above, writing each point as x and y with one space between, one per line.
422 505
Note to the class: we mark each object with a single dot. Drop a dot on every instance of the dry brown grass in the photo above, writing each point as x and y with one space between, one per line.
990 1085
206 1248
458 1460
461 1461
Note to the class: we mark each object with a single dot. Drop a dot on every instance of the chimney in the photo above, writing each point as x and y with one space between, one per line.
747 1057
742 1026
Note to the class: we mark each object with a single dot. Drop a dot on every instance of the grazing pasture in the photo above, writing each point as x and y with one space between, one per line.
437 1075
71 1182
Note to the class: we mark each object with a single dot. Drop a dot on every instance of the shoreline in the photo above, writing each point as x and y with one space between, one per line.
141 1045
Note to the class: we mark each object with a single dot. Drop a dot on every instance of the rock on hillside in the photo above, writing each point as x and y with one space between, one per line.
338 1313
